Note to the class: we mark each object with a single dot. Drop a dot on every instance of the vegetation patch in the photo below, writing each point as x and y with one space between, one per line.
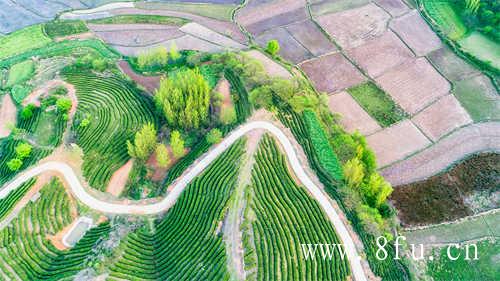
59 28
479 97
485 268
22 40
444 197
377 103
20 73
444 14
144 19
482 48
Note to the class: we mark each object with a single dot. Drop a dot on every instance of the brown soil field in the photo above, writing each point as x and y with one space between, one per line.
354 27
354 117
223 27
380 54
272 68
416 33
138 37
119 179
257 12
395 7
8 114
396 142
290 48
311 37
287 18
465 141
450 65
150 83
202 32
441 117
441 197
414 84
332 73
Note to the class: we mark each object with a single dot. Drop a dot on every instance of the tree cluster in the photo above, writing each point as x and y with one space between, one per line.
184 99
144 142
23 150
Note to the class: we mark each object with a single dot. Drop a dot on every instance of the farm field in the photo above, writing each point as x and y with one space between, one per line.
222 139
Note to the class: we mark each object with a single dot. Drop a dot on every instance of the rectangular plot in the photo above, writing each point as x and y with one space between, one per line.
332 73
396 142
441 117
479 97
257 11
416 33
311 37
450 65
354 27
322 7
272 68
381 54
259 27
353 116
414 85
290 49
394 7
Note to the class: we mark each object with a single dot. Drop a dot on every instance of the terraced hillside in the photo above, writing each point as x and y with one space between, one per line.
187 243
25 251
116 110
276 207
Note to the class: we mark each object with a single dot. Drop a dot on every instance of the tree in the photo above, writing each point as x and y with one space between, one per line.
273 47
144 142
63 104
184 99
228 115
14 164
23 150
162 157
174 54
353 172
376 190
157 57
84 123
177 144
214 136
27 111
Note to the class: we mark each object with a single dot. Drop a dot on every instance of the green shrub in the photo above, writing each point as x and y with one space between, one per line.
63 105
58 28
20 72
27 111
14 164
228 115
23 150
214 136
273 47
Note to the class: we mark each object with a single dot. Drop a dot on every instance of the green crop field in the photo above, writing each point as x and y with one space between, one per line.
24 246
116 110
277 205
64 28
20 73
486 268
186 244
482 48
149 19
377 103
23 40
446 17
8 202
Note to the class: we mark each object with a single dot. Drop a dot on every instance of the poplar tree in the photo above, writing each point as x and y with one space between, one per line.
177 144
144 142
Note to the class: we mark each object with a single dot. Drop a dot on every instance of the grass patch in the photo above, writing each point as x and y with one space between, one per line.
485 268
22 40
20 72
215 11
326 7
64 28
445 16
377 103
478 96
146 19
482 48
19 92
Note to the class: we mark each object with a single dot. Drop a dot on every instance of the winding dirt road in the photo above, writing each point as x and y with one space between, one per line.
180 184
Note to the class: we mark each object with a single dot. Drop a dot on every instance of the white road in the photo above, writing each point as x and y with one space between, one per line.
154 208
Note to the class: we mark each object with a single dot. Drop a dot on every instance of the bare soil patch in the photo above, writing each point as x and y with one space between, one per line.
354 117
258 11
311 37
80 36
8 114
380 54
441 117
287 18
396 142
450 65
150 83
442 197
159 173
138 37
224 88
414 84
332 73
272 68
290 48
465 141
416 33
119 179
353 27
395 7
202 32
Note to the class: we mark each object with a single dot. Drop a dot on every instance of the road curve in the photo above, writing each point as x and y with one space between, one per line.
163 205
